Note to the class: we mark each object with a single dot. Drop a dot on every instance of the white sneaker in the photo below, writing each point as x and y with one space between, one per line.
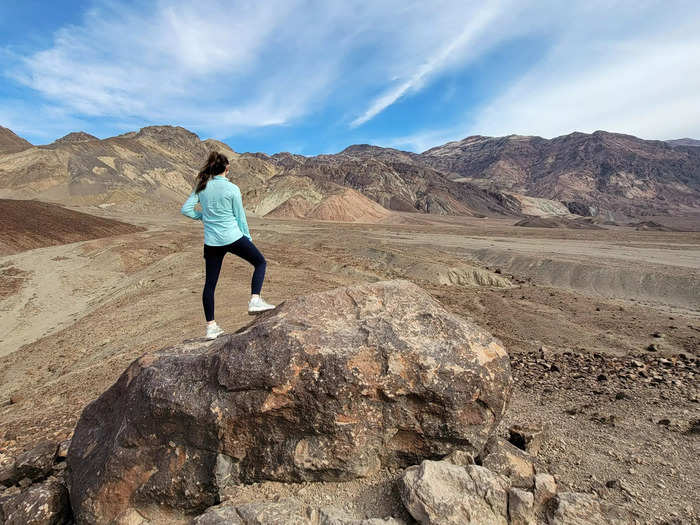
257 305
213 331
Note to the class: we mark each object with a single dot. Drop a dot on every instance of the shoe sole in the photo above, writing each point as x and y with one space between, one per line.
258 312
211 338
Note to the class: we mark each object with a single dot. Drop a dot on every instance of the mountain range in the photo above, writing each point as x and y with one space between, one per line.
607 174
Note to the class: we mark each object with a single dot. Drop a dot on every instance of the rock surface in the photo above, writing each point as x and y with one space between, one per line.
521 507
41 504
34 465
440 493
574 508
329 386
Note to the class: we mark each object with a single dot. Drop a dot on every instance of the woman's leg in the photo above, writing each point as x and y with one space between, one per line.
213 267
245 249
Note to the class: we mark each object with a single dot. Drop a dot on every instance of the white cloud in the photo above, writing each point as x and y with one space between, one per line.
221 66
646 86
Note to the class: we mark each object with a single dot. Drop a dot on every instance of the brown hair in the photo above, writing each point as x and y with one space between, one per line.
216 165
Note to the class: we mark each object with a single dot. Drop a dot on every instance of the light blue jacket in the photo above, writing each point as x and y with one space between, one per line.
222 212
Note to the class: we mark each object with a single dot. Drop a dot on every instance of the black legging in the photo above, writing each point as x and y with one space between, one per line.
214 256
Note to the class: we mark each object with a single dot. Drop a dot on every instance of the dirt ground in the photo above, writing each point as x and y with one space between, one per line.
72 317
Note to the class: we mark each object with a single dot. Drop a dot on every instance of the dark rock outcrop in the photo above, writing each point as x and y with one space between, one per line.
330 386
41 504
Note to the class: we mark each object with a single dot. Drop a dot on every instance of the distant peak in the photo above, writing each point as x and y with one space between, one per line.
165 132
76 136
12 143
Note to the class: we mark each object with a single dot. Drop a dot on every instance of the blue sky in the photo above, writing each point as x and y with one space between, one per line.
314 76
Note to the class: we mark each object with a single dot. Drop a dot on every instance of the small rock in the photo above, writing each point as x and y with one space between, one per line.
546 353
37 463
654 347
503 458
694 427
8 474
330 516
657 335
461 458
62 451
282 512
437 492
613 484
521 507
545 488
24 483
16 399
575 508
527 437
223 514
34 465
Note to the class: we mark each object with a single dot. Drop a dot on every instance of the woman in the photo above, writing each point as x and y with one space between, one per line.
225 230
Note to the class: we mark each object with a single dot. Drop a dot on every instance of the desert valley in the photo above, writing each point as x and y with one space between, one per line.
579 254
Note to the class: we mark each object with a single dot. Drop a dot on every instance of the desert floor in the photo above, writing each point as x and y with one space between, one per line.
623 421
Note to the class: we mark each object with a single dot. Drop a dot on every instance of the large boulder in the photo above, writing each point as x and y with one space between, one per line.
330 386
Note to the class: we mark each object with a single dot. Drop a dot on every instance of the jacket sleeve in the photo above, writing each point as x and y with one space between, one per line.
239 212
188 208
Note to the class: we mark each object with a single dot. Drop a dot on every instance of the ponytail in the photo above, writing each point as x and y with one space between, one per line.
216 165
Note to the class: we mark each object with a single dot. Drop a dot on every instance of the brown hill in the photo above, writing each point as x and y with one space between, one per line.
11 143
345 206
25 225
604 173
151 168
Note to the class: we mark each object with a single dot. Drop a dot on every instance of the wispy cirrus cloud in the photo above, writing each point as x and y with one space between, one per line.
224 66
475 25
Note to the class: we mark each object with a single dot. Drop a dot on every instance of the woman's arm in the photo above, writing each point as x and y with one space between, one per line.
188 208
239 212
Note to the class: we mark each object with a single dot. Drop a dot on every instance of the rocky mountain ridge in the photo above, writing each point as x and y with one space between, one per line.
594 174
611 175
155 167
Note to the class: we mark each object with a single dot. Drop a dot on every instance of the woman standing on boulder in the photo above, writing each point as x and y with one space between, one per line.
225 230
